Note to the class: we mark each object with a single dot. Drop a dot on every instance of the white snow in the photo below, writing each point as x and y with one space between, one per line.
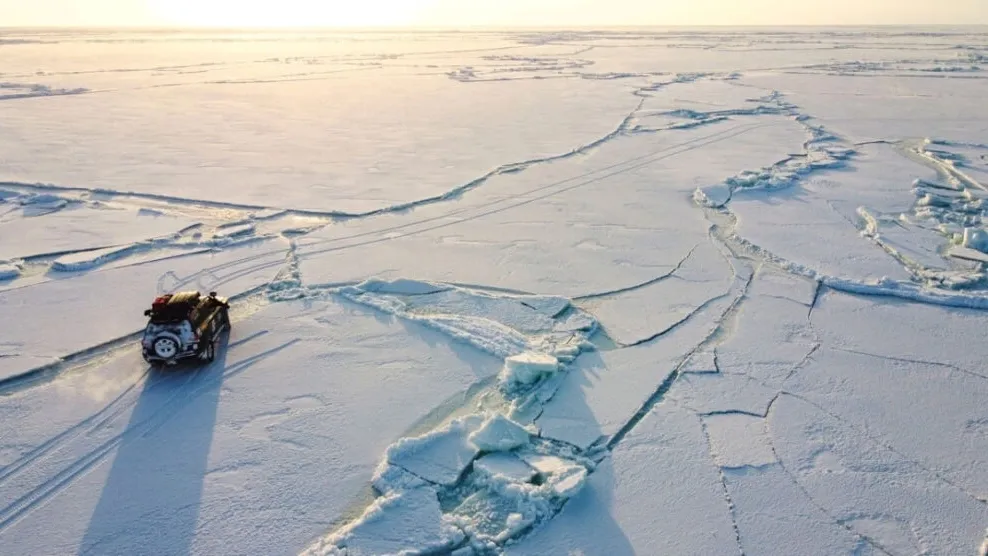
670 291
703 276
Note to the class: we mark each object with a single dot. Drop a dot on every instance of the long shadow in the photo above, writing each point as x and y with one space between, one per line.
151 499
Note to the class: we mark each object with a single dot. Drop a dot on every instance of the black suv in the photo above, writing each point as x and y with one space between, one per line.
184 325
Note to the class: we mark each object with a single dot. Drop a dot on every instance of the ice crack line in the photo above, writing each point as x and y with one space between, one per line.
664 387
451 194
641 161
723 483
676 324
645 284
816 297
908 360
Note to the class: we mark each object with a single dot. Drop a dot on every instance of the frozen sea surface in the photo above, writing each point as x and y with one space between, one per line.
508 292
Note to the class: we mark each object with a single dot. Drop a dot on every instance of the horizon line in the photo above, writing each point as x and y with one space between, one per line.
138 27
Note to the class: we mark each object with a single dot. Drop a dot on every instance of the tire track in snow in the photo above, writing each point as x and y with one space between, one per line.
99 419
649 159
617 169
90 356
448 195
103 417
64 478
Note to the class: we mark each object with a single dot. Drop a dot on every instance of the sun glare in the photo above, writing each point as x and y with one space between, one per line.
288 13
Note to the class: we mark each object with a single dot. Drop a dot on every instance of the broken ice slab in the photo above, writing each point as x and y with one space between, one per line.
499 434
968 254
440 456
505 465
85 260
526 368
545 464
974 238
231 232
568 482
713 196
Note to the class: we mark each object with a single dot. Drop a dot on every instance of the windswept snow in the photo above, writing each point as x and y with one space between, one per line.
502 292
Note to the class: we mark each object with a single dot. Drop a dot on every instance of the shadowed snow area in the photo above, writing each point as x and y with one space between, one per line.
636 292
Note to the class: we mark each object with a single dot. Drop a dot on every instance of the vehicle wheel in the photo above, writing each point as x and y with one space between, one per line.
165 347
209 352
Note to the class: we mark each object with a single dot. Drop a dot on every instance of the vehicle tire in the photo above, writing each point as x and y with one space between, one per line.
165 347
209 352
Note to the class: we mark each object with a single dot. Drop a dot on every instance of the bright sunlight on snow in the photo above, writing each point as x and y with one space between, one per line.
500 292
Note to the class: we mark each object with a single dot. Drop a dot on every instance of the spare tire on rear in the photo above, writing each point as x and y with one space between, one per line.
165 347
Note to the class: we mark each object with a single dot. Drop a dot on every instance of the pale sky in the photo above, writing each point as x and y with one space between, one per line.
441 13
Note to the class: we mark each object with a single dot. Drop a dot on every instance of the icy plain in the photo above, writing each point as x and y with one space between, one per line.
673 291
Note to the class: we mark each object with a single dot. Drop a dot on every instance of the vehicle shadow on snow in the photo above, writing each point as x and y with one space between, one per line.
152 495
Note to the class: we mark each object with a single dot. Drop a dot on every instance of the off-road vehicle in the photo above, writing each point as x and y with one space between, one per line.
184 325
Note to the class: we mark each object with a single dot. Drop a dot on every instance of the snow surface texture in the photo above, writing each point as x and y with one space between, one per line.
729 283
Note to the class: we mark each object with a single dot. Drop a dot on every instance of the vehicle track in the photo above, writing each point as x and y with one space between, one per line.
91 356
97 420
172 404
101 418
615 169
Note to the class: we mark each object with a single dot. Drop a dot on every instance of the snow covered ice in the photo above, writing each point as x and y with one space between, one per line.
623 292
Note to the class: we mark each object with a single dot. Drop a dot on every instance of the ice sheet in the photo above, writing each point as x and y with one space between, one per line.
256 452
636 501
346 165
872 107
556 228
506 290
